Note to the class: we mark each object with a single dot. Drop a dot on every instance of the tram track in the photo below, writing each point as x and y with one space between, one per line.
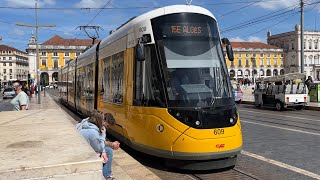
231 174
283 124
281 119
303 123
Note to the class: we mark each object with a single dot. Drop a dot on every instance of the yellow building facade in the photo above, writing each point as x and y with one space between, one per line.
254 60
54 54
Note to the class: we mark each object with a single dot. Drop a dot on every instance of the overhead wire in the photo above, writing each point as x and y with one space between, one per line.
94 17
260 19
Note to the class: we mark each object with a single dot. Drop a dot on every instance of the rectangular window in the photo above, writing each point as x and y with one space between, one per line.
117 78
55 63
66 54
10 77
44 62
10 71
55 54
239 63
275 62
4 71
315 44
4 64
10 58
310 44
268 62
106 95
247 63
261 62
4 58
10 64
268 55
43 53
4 77
261 55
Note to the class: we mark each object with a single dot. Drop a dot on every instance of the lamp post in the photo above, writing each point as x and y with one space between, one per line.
37 45
253 75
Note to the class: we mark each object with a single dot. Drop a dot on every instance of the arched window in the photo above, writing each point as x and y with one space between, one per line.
315 44
316 59
310 59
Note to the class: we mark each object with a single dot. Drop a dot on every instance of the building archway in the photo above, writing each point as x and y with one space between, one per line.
55 76
239 73
44 79
268 72
281 72
261 72
275 72
247 72
232 73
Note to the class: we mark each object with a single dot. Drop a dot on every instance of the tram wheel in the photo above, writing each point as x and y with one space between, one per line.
279 105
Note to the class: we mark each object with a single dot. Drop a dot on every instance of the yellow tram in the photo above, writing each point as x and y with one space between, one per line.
163 77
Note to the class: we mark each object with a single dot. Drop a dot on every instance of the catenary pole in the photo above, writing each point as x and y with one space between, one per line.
302 37
36 26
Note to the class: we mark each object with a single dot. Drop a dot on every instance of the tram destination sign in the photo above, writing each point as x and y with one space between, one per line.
185 29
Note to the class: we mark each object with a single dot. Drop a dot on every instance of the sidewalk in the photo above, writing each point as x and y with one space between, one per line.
248 98
42 143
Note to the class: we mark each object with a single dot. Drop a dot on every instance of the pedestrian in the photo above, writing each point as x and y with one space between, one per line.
110 146
21 101
92 130
308 81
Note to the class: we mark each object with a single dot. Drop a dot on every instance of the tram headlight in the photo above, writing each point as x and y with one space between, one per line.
198 123
234 116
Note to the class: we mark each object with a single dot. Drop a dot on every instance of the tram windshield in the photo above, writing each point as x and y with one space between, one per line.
193 62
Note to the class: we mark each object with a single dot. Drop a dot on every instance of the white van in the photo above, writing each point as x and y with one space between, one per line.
282 91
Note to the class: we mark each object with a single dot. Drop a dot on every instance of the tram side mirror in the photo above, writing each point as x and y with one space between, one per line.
139 52
228 48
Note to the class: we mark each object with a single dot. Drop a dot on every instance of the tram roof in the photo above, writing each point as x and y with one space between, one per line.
123 30
289 76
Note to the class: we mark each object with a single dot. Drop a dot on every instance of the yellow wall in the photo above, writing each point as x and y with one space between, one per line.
257 58
50 57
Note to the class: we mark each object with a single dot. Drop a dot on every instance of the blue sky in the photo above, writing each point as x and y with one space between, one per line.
229 13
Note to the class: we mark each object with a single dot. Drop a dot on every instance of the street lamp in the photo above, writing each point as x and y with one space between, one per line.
253 65
37 45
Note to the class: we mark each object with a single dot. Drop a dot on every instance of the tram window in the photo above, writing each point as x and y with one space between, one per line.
148 89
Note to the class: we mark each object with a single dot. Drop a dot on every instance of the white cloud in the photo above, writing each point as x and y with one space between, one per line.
256 39
277 4
92 3
29 3
249 39
18 31
237 39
